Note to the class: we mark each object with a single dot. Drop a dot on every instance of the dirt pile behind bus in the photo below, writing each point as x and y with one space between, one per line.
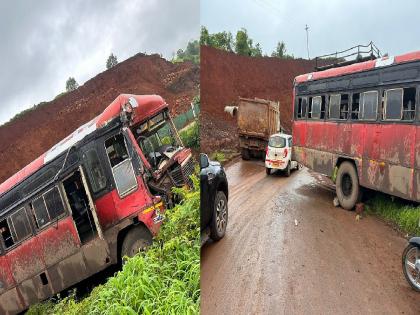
35 131
225 77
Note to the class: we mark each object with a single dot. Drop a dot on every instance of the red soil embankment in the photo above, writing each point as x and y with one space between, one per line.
34 132
225 77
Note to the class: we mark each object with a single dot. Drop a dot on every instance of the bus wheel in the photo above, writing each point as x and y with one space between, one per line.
347 186
245 154
137 239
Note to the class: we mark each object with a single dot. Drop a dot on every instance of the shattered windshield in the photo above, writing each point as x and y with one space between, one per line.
157 135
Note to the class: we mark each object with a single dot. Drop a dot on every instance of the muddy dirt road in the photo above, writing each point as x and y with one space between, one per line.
328 263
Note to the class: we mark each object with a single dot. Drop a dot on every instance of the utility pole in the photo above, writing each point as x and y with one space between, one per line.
307 39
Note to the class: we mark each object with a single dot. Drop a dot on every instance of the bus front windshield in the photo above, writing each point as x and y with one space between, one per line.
157 137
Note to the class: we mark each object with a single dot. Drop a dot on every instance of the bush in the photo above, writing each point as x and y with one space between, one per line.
401 213
163 280
190 135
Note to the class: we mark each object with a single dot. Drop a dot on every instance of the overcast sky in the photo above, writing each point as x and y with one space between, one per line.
333 25
45 42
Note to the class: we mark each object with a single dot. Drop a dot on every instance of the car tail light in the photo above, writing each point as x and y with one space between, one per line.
285 152
266 151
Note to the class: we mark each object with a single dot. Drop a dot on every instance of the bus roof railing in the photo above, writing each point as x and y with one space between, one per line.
338 59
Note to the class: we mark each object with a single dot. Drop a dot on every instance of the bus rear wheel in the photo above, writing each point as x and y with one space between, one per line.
347 186
136 240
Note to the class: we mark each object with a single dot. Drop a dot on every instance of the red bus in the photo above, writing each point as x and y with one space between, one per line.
93 198
359 124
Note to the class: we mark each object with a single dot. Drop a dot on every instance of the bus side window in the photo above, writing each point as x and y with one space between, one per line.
344 106
409 103
95 171
122 168
393 104
355 106
301 108
335 101
6 234
315 107
370 105
20 226
47 207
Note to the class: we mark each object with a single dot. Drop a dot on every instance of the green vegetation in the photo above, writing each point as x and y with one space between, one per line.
163 280
223 156
111 61
71 84
191 53
404 215
242 45
190 135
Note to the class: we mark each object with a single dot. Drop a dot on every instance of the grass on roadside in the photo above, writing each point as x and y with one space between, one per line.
223 156
404 215
163 280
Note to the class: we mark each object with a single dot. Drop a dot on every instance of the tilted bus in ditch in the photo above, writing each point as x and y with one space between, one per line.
359 124
93 198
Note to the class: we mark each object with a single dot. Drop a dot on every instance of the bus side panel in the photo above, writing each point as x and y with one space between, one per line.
373 171
416 162
357 140
343 138
397 143
6 277
132 203
316 153
299 133
26 263
11 303
60 248
105 209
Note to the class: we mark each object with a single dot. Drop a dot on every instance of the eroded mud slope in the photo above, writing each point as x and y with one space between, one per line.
28 136
226 76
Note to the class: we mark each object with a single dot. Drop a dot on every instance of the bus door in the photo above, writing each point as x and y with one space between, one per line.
94 247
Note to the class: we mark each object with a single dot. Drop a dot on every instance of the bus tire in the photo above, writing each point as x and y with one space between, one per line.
137 239
347 186
245 154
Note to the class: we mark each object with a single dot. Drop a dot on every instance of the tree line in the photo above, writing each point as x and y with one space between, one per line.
241 44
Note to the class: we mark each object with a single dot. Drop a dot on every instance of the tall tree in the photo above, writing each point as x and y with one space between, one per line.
71 84
112 61
242 43
280 51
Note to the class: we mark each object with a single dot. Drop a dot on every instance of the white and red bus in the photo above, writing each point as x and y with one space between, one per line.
359 124
95 197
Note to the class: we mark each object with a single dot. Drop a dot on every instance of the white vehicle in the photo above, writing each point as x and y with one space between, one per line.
279 154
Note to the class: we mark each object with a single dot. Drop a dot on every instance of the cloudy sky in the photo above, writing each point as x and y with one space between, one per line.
333 25
45 42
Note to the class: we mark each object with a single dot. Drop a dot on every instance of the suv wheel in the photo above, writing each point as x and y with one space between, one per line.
220 216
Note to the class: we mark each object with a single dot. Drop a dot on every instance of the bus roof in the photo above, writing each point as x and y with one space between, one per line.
148 105
358 67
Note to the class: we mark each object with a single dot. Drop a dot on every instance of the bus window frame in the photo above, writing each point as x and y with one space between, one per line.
50 221
339 109
31 226
385 103
130 158
301 97
363 103
311 98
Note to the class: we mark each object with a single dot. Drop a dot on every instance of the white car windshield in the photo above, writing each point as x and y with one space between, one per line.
277 142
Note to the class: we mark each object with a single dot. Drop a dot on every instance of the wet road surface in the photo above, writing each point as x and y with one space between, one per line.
328 263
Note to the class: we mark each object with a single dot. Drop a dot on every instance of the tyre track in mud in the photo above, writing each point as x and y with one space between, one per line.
328 263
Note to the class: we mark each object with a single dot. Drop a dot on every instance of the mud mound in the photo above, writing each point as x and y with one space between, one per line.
226 76
31 134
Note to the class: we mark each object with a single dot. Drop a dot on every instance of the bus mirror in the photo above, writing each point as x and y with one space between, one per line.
204 161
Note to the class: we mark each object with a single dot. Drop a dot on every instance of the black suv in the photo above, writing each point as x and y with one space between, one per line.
213 199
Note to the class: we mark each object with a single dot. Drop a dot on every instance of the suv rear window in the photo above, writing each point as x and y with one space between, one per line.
277 142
